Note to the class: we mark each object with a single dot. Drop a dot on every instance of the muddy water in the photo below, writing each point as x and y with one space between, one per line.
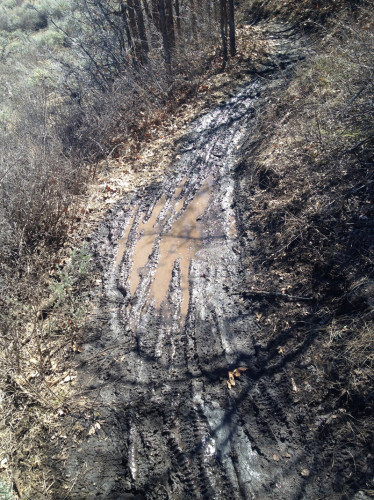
168 329
144 245
180 243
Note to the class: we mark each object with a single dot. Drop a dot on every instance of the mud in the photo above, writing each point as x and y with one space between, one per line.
172 321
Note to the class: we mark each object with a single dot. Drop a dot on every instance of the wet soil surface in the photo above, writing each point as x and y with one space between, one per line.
184 404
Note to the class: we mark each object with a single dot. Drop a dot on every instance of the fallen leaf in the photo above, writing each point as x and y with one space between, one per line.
4 463
231 379
76 347
280 350
259 317
294 386
95 427
276 457
238 371
305 473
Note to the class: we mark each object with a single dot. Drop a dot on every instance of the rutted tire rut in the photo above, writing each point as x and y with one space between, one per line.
168 329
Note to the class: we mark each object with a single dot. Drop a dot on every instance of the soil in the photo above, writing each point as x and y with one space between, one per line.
186 396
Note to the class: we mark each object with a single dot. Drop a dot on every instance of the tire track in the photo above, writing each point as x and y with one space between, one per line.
167 331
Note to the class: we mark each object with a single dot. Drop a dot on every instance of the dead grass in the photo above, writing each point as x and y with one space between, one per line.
312 215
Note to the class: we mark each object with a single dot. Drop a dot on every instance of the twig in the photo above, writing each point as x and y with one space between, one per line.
352 99
358 145
276 294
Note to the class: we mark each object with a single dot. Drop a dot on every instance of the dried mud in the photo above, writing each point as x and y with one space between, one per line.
171 322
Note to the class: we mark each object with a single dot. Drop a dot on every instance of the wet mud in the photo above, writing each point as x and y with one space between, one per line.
169 326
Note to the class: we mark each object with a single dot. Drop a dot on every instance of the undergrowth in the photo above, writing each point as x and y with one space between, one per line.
312 193
39 339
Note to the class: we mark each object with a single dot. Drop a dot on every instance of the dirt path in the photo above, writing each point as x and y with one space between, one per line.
167 420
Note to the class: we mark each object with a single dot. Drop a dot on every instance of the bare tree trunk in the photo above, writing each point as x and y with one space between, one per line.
146 9
142 33
178 18
156 14
193 18
232 28
223 4
170 23
134 30
164 31
124 13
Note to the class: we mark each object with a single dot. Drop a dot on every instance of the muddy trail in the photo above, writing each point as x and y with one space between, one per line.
181 405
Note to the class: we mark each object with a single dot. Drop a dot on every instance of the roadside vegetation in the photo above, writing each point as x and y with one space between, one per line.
68 106
311 214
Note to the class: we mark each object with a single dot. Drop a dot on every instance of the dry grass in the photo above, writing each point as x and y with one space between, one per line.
313 194
310 174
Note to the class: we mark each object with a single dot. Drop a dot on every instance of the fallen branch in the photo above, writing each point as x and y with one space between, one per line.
273 294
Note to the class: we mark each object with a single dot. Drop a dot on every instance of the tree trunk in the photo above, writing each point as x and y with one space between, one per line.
170 23
223 4
134 30
193 18
141 30
232 28
146 9
125 16
177 15
164 31
156 14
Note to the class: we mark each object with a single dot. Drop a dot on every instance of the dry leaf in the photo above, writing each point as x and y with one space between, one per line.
280 350
305 473
238 371
259 316
276 457
95 427
76 347
231 379
294 386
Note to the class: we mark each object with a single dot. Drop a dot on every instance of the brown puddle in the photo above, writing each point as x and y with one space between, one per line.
182 242
144 246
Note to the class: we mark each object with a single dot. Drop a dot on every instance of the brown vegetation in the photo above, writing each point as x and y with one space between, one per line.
311 215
